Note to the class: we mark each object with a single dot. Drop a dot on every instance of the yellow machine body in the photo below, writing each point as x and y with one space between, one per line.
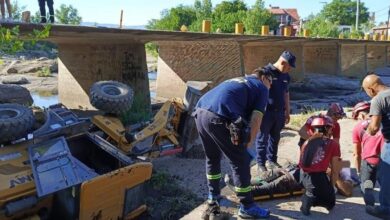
163 127
103 197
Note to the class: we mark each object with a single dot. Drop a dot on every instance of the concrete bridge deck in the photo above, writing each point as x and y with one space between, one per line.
89 54
88 34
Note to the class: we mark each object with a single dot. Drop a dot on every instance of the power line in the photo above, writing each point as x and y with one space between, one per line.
382 9
381 15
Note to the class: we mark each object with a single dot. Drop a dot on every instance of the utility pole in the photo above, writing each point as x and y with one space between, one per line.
120 22
357 14
388 21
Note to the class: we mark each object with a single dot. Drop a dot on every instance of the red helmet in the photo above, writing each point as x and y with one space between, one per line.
359 107
336 110
322 121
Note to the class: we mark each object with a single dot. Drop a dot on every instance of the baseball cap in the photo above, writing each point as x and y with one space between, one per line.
289 57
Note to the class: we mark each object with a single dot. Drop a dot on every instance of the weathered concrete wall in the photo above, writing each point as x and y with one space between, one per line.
80 65
376 56
260 54
353 60
180 62
183 61
321 58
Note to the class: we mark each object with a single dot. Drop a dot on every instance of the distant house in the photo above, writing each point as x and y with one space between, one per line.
345 28
381 29
286 16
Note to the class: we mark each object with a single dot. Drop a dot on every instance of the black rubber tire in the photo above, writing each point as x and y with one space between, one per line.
111 97
15 122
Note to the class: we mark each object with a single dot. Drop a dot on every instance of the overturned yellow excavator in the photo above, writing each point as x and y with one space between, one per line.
65 170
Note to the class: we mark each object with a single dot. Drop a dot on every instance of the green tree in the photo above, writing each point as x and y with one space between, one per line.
36 18
203 11
17 10
343 12
227 13
11 41
321 27
257 16
173 18
366 27
67 15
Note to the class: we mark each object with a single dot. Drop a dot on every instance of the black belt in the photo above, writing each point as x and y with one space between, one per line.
218 120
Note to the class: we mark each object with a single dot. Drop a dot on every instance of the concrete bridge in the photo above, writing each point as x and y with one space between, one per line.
89 54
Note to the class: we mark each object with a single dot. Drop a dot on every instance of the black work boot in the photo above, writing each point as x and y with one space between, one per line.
51 19
213 211
369 198
43 20
306 204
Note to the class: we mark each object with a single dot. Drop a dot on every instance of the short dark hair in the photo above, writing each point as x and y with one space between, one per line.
261 72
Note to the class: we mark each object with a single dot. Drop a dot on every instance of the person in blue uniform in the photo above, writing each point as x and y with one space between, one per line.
277 113
42 9
228 118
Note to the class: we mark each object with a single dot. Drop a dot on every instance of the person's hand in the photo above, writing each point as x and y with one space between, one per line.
316 135
287 115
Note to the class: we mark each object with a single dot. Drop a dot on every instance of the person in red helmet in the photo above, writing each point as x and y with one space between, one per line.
367 150
317 154
335 111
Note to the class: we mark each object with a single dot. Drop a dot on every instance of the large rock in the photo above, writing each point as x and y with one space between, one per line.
29 66
320 81
15 94
14 80
10 69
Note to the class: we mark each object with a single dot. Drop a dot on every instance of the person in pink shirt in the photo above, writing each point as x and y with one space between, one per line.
367 150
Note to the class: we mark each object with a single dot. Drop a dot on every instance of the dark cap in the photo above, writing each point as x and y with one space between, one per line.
289 57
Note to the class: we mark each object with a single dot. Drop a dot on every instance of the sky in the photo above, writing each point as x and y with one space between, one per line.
139 12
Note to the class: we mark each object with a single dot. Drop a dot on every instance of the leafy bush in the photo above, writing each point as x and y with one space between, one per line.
11 41
321 27
152 49
298 120
140 111
44 72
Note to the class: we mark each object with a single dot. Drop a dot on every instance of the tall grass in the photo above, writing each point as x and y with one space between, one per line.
298 120
140 111
44 72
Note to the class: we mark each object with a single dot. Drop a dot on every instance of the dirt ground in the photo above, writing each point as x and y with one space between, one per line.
190 174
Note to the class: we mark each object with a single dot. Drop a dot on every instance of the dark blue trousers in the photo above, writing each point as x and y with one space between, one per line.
216 141
42 7
367 172
384 182
267 139
319 189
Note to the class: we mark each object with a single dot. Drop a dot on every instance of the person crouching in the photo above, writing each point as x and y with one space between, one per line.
317 154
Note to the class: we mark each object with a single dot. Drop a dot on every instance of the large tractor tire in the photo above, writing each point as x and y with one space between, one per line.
15 122
111 97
